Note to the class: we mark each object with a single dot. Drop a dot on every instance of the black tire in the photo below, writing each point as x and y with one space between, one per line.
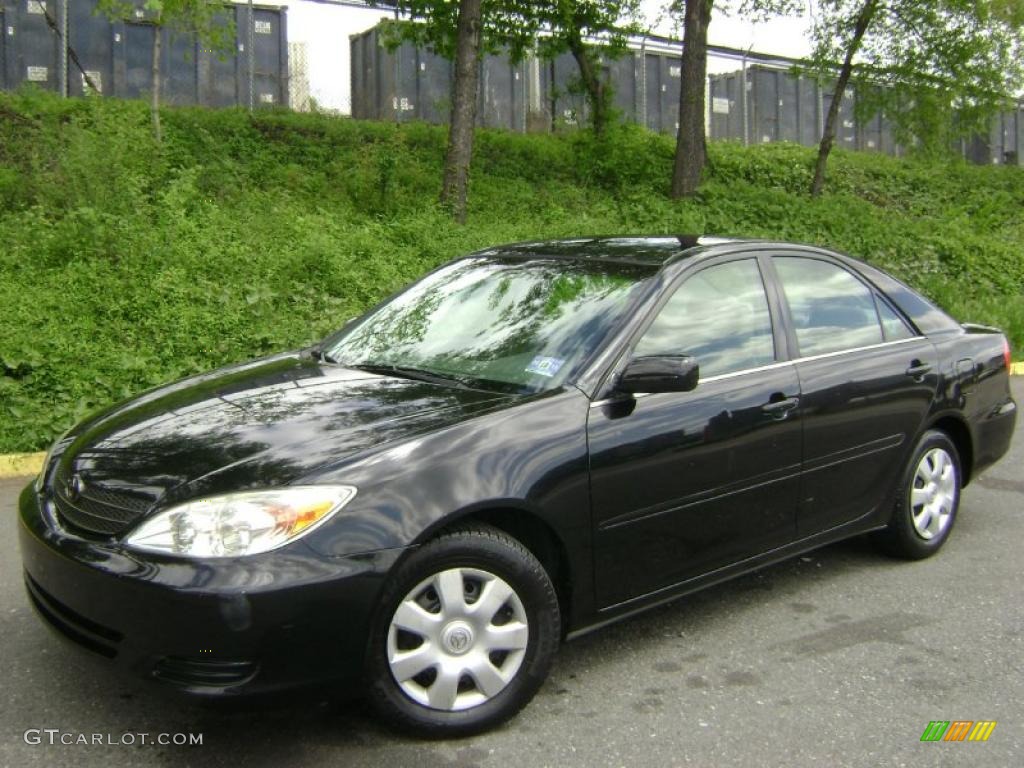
479 548
903 538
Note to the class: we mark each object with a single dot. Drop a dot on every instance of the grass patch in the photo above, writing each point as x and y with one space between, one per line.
124 265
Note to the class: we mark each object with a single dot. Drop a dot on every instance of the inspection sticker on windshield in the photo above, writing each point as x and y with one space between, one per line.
544 366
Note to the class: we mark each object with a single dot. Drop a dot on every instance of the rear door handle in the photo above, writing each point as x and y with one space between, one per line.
917 370
779 409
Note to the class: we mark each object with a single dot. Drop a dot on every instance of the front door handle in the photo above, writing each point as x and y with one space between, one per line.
917 370
780 408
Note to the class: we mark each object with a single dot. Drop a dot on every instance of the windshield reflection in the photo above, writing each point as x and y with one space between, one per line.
518 324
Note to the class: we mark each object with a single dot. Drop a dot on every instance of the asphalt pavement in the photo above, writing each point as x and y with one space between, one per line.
837 658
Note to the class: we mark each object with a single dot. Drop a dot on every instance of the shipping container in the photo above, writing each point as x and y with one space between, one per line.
115 58
846 124
409 83
662 73
783 107
1017 149
224 79
269 54
787 107
727 107
3 48
625 74
876 135
91 37
756 104
1004 142
503 101
406 83
563 92
645 89
31 51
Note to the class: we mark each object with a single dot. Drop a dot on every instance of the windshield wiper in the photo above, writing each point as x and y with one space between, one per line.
409 372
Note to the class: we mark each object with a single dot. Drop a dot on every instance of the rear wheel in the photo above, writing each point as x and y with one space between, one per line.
928 499
465 636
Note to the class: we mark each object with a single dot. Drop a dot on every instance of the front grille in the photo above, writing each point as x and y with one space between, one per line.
203 672
87 633
98 509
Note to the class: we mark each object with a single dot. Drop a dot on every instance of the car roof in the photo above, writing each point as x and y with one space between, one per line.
654 251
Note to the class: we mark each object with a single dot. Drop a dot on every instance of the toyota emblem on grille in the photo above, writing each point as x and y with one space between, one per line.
75 487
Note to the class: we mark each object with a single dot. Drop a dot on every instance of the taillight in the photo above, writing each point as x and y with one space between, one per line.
1006 353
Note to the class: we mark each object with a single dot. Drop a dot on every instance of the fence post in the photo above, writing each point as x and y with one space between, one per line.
642 112
820 108
707 101
745 102
63 74
252 57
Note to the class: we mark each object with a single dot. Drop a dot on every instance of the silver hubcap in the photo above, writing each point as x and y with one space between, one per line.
933 493
457 639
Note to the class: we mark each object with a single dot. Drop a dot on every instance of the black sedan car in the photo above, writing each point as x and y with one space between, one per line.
528 443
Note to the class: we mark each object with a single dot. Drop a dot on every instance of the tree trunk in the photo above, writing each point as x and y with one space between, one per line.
592 82
828 136
691 144
463 119
155 95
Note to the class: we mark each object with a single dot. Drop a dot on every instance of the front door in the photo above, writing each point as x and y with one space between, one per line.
685 483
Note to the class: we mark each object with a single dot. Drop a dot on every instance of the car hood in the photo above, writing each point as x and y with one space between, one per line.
257 425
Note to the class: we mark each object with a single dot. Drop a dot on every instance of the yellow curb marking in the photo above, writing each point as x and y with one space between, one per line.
21 464
1017 369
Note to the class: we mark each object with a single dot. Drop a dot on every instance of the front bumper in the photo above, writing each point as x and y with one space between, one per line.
285 619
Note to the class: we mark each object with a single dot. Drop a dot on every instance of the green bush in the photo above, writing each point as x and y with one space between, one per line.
124 265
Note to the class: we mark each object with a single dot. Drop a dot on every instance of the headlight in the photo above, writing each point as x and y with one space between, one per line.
240 523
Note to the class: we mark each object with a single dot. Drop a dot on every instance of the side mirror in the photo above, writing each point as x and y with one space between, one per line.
662 373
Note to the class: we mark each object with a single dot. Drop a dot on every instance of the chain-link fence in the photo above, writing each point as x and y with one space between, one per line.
298 83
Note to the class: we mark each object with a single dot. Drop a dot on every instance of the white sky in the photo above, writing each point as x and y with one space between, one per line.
325 30
781 36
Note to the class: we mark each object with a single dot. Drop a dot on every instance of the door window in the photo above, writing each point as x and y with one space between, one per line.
831 309
719 316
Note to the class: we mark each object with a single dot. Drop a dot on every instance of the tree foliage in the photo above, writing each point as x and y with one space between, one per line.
591 30
463 31
203 18
938 69
434 24
962 58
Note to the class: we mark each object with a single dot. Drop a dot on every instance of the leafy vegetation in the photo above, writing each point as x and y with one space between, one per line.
125 264
927 65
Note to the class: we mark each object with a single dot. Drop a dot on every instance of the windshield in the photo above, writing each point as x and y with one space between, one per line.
518 324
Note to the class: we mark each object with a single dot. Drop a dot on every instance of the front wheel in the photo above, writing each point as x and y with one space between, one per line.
465 636
928 499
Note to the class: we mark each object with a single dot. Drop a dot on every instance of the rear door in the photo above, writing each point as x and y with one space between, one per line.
683 483
867 380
